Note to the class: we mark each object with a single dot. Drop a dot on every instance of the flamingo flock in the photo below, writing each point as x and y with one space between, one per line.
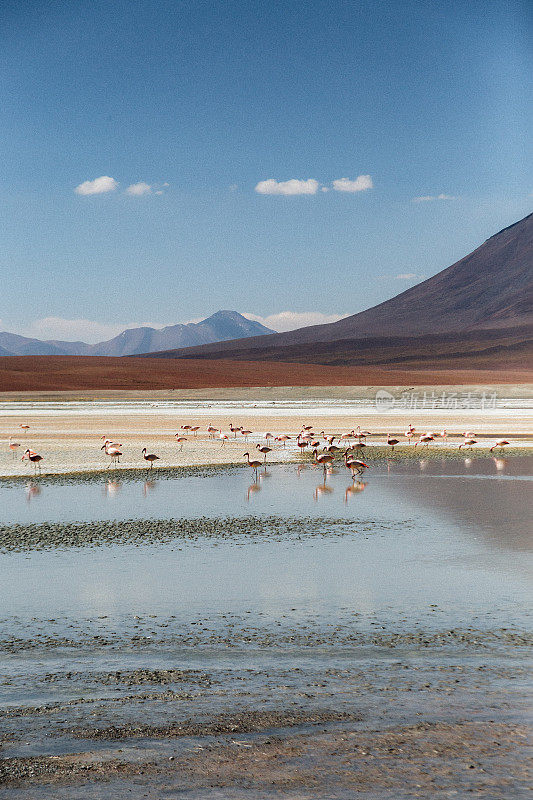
323 446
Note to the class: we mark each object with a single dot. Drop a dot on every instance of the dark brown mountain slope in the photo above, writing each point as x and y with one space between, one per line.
492 288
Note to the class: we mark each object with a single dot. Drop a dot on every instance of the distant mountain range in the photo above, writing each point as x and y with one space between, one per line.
480 306
219 327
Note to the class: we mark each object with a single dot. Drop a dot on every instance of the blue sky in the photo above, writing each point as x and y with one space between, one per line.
421 106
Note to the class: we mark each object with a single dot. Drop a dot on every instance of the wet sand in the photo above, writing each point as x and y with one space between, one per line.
437 716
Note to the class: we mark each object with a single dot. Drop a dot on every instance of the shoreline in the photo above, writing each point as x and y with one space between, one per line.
376 455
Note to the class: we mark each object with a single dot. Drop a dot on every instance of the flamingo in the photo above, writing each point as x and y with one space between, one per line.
444 435
223 438
253 464
268 436
392 442
211 431
150 457
180 440
332 448
111 450
347 436
410 432
324 459
468 443
283 438
425 439
355 465
328 437
25 428
362 434
302 443
264 449
185 428
307 427
13 446
469 435
234 430
111 442
35 459
194 429
246 434
501 443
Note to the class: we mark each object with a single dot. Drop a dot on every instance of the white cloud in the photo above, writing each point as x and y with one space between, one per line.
427 198
98 186
138 189
291 187
408 276
289 320
360 184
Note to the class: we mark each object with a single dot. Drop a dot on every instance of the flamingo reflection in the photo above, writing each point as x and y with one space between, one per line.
322 489
500 464
252 489
149 486
32 490
111 488
355 488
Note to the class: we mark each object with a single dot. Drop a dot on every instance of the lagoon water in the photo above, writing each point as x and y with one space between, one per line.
401 604
455 534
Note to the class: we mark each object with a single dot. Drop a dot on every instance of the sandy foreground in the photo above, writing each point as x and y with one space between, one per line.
72 440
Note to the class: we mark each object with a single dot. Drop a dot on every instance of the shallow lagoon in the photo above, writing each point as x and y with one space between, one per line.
454 534
403 600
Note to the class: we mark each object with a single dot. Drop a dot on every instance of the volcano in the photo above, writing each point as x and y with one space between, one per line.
480 305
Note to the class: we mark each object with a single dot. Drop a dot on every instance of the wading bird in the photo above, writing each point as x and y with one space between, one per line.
283 438
468 443
324 459
110 442
13 446
392 442
332 448
35 459
25 428
501 443
362 434
253 464
425 439
355 465
180 440
246 434
264 449
150 457
410 432
112 450
212 431
302 443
